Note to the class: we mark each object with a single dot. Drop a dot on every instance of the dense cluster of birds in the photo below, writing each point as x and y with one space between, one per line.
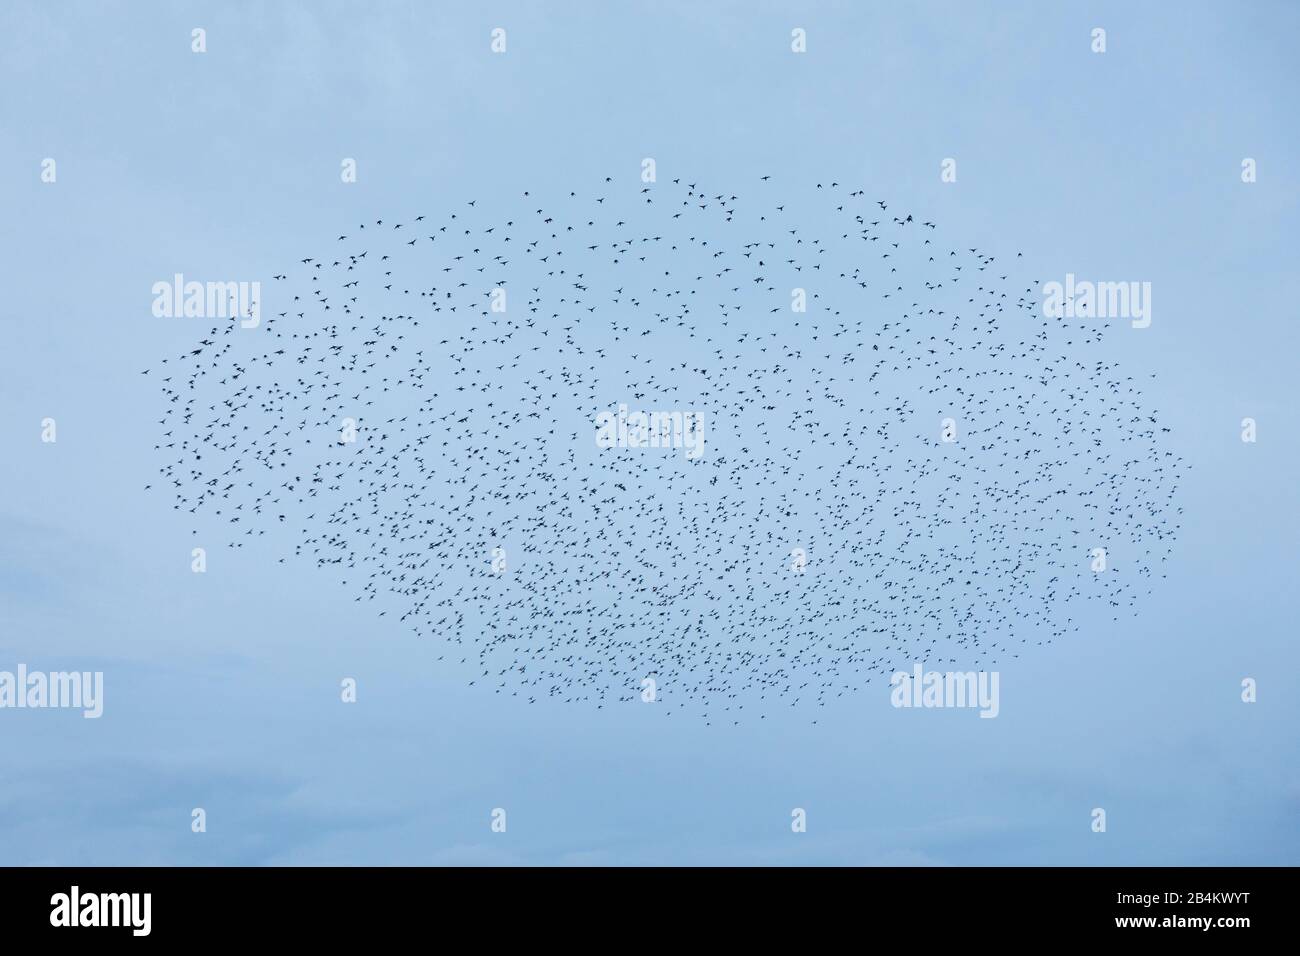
917 467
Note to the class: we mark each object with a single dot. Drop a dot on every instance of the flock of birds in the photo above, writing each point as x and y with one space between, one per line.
829 532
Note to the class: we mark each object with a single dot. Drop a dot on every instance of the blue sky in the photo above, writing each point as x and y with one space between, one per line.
222 689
